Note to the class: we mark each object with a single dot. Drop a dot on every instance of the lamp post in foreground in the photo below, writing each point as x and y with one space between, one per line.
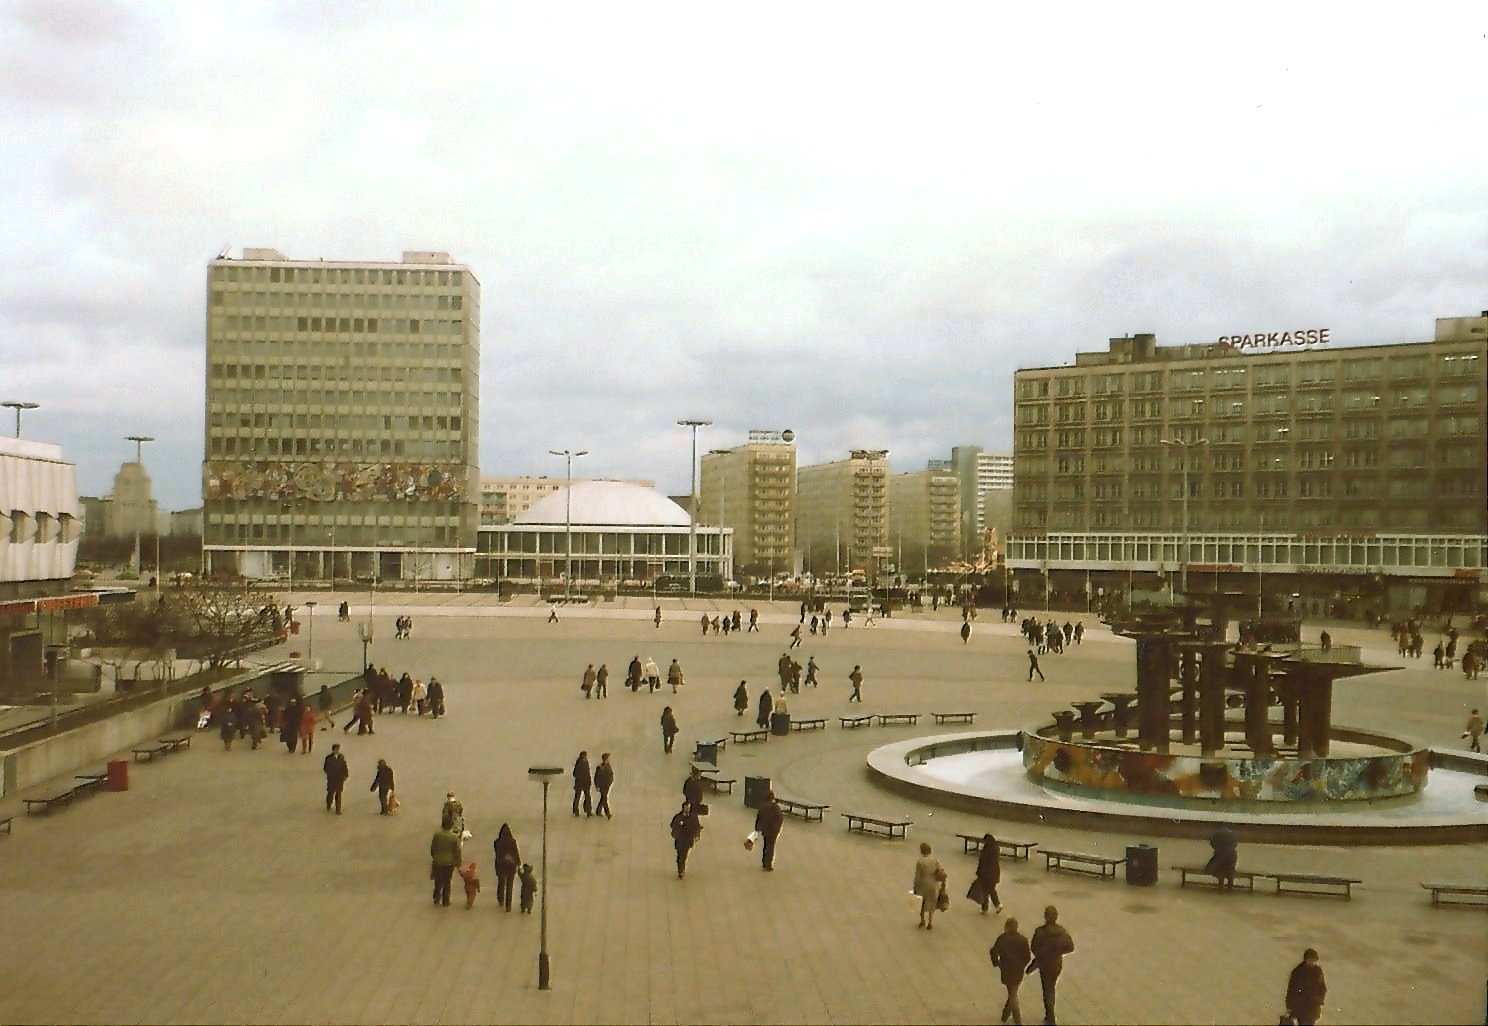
545 774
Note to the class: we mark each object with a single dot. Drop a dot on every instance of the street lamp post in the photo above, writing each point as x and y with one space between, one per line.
692 508
545 774
310 617
1183 562
18 407
139 444
364 634
568 458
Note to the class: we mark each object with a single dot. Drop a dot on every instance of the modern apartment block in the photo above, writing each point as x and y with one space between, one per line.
842 514
1359 470
925 517
981 472
752 489
343 417
504 499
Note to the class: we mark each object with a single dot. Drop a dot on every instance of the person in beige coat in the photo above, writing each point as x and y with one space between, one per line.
929 875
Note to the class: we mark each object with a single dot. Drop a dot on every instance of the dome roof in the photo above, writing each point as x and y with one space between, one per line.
607 504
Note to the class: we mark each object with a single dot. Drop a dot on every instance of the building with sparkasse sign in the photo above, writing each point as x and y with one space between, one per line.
343 413
1357 471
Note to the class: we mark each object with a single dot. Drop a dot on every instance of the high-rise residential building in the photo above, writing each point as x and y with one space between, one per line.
1356 472
980 472
925 517
132 508
343 417
504 499
842 514
751 488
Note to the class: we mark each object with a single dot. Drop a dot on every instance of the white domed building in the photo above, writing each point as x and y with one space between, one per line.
620 533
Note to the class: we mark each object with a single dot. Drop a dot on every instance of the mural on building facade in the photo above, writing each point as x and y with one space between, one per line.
328 480
1278 779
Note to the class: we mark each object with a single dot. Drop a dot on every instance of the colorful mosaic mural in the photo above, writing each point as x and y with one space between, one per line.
328 480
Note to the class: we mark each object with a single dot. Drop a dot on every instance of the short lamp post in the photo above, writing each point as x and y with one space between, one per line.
545 774
310 619
364 633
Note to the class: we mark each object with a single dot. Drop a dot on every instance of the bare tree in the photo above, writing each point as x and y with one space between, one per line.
227 619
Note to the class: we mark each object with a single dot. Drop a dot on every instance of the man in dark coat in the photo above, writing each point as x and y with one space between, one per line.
582 781
445 854
685 829
336 771
741 698
1011 954
1221 864
382 783
604 779
435 697
1306 990
766 706
1051 942
289 723
989 872
692 791
768 821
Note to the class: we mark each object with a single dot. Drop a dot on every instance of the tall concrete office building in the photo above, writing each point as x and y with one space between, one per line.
343 417
981 472
1356 473
752 489
842 517
925 517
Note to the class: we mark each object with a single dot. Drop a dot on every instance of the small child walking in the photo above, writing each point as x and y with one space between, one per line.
472 883
529 886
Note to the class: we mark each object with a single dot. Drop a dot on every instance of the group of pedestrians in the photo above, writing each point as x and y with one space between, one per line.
246 716
723 623
402 694
447 858
586 783
1049 636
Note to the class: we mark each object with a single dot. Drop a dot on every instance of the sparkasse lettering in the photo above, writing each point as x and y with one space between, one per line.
1277 339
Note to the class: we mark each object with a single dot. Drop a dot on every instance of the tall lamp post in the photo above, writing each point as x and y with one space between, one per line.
18 407
139 447
692 507
545 774
1183 448
310 617
568 458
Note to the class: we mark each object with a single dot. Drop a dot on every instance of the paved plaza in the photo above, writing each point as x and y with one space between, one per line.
218 890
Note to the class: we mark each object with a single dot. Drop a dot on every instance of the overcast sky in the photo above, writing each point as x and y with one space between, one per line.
853 221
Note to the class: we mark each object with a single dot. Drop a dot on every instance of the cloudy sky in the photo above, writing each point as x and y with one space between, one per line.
854 221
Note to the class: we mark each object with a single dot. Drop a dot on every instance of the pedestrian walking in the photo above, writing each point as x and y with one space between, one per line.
553 612
674 675
336 771
604 779
1033 666
471 878
653 676
227 724
587 684
795 636
768 821
323 699
766 704
453 811
741 698
529 887
1011 955
965 631
692 790
436 698
668 729
582 781
382 783
507 859
657 618
1050 943
857 682
420 697
307 730
929 881
811 672
444 855
754 620
1474 732
633 674
685 829
988 875
602 681
1306 990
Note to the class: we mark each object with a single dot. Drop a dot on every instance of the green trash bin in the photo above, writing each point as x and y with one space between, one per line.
706 751
755 789
1141 865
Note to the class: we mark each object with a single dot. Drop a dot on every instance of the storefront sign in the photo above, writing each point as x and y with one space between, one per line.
1277 339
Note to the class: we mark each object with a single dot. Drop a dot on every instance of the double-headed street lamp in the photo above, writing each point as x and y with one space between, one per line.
692 502
568 458
545 775
18 407
1184 447
139 448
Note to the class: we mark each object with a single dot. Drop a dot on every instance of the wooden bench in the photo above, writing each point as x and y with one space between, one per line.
797 807
884 719
144 753
719 785
1203 878
744 737
817 723
175 743
89 783
704 768
1464 894
961 717
46 804
1016 850
890 828
853 722
1080 862
1310 883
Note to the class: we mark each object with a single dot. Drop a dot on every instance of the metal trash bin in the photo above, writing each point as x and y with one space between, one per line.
755 789
1141 864
706 751
118 774
780 724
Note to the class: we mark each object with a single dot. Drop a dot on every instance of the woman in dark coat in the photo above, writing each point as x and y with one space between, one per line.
989 873
508 860
668 729
741 698
289 723
766 706
227 723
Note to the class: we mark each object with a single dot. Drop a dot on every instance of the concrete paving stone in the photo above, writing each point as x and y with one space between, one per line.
222 892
